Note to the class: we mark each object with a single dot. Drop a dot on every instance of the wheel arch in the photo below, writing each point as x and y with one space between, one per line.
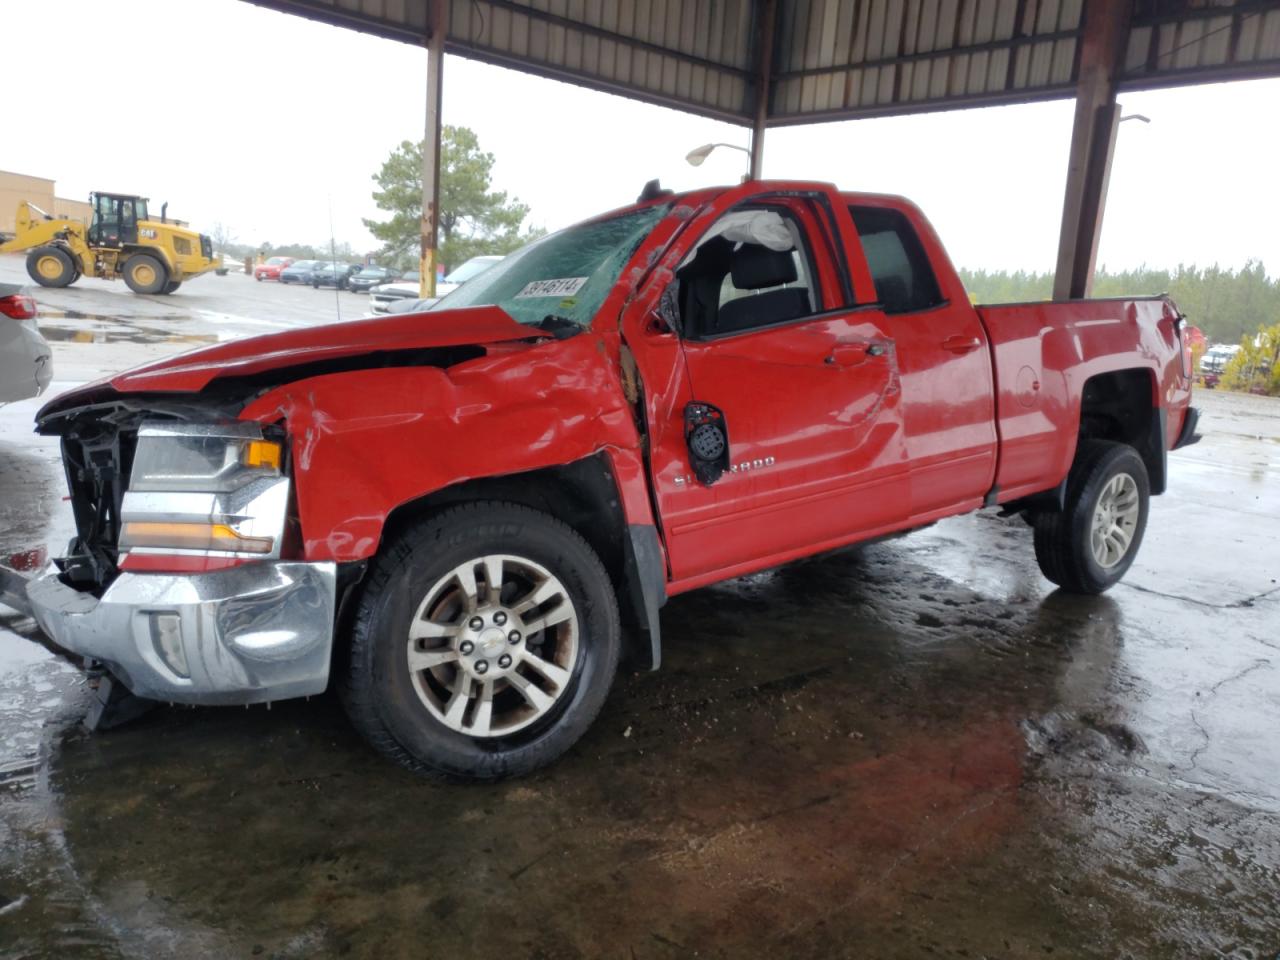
1124 405
585 495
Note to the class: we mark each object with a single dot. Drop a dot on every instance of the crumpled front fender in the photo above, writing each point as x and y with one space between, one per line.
364 442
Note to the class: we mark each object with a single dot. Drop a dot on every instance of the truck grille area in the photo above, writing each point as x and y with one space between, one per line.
97 458
98 444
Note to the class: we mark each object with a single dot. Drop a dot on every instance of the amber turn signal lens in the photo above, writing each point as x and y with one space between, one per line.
262 453
191 536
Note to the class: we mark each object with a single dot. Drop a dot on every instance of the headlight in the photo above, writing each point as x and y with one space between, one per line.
210 490
209 459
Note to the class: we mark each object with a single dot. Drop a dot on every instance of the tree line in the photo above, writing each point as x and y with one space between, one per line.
1227 305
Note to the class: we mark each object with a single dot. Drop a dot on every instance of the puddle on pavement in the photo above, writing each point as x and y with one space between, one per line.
80 327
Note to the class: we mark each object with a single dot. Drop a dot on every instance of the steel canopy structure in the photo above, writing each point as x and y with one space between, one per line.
768 63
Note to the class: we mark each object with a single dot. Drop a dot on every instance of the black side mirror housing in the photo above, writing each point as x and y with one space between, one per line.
707 437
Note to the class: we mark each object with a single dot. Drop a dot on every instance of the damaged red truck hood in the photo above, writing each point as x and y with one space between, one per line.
194 370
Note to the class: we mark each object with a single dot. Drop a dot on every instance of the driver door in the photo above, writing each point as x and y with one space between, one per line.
807 386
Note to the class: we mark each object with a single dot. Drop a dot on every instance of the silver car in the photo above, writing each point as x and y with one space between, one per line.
26 363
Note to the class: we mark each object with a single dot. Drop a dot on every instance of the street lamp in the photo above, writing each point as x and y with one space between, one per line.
695 157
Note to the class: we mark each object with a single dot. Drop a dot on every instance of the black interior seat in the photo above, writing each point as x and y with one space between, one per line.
756 267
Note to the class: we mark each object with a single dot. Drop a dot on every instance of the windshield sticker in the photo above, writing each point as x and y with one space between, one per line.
564 287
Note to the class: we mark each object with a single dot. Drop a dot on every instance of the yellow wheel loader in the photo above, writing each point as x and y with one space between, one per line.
153 256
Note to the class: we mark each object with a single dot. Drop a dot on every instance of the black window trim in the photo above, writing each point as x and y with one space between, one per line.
795 321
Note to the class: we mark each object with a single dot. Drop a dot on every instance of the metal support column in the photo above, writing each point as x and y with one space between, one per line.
1102 48
764 76
438 12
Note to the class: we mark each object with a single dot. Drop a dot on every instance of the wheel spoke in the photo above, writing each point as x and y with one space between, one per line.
493 577
483 719
540 595
536 696
559 615
429 630
553 672
427 659
1121 536
466 576
457 704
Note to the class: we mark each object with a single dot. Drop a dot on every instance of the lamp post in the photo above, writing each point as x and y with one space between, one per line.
697 155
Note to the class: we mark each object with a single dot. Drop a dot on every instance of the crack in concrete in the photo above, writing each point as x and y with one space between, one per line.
1234 605
1195 754
1257 664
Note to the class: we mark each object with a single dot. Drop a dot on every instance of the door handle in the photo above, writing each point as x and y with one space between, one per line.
848 354
961 345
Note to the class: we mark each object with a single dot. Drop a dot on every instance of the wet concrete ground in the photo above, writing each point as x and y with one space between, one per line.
913 750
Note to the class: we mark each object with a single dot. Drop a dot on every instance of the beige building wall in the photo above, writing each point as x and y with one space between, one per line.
72 209
16 187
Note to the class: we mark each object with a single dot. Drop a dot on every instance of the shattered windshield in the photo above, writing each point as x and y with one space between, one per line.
566 275
471 269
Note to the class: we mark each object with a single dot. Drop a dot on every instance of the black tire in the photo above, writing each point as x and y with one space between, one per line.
378 689
1063 540
171 286
145 274
51 267
257 276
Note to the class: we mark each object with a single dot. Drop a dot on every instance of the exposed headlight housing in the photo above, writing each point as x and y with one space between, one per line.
208 458
211 491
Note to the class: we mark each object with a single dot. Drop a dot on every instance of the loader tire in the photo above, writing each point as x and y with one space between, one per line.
145 274
51 267
171 286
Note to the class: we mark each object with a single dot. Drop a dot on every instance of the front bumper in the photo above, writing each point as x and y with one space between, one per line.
248 634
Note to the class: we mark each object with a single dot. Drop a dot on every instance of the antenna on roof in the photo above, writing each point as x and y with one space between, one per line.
653 191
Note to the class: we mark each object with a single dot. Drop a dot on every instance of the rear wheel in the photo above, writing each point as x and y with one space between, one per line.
51 267
145 274
1092 542
484 644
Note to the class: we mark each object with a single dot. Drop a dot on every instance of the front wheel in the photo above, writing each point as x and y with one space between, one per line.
484 645
51 267
145 274
1090 545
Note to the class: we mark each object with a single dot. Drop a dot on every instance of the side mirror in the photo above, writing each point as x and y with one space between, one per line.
707 437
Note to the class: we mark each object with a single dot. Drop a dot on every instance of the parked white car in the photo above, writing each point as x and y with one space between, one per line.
1216 358
26 362
381 298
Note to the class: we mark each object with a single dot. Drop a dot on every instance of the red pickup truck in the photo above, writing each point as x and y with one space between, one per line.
465 518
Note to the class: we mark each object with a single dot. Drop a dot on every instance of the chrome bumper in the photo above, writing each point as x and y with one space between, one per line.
248 634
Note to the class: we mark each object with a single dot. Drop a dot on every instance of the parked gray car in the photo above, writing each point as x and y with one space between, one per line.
26 363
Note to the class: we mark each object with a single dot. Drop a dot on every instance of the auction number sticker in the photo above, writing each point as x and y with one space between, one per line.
563 287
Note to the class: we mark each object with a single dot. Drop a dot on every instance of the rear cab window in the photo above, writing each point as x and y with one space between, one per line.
900 268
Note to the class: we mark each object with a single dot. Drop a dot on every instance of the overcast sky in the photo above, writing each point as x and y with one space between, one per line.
269 123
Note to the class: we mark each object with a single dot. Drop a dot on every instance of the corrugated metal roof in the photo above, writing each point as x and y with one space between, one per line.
833 59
